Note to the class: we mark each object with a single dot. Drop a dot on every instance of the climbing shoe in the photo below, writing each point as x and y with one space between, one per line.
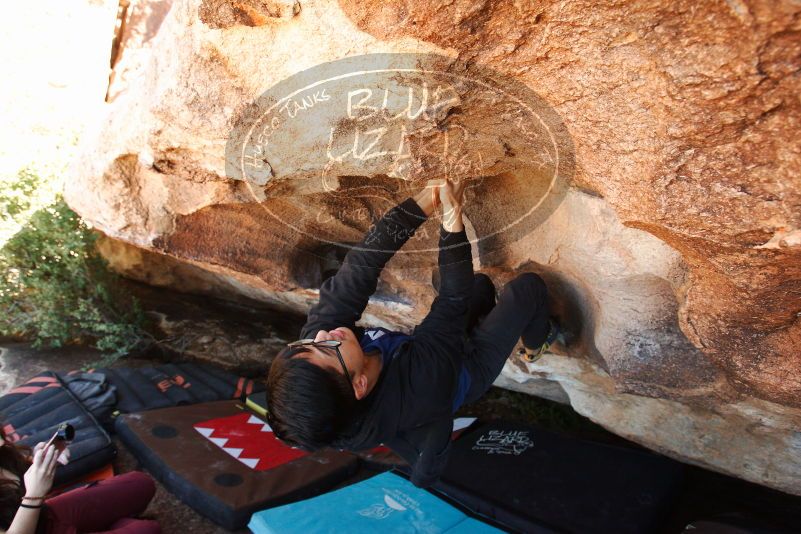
554 336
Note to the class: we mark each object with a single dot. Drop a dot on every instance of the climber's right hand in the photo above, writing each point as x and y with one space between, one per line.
451 196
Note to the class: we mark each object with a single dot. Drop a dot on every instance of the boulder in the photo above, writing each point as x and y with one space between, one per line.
643 157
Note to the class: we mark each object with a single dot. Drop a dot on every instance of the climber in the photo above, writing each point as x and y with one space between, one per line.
349 388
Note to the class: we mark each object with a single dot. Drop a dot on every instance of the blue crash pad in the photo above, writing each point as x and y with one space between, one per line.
383 503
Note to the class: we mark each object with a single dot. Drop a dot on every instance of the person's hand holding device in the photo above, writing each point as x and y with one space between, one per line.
39 476
60 439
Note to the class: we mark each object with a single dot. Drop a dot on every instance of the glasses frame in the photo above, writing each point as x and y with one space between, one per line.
325 344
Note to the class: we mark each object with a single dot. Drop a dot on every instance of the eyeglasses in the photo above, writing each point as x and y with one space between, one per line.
324 344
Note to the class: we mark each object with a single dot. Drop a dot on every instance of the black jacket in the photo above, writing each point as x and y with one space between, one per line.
410 408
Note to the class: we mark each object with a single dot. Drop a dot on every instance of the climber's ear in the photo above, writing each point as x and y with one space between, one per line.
360 385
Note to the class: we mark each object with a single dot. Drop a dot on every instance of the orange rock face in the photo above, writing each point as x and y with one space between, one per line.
686 120
673 254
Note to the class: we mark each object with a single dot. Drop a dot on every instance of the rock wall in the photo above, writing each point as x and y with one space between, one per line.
673 256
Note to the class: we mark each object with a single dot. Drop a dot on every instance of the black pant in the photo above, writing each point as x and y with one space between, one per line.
521 312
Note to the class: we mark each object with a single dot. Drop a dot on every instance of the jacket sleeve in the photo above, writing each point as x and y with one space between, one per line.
429 457
448 314
344 296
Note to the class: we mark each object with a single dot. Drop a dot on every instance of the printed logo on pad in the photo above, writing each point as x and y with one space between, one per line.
248 439
394 501
514 442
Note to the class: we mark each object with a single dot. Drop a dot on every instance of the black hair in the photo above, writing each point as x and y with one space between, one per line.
14 458
308 406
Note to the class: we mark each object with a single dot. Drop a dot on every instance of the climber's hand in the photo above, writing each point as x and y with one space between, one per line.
428 197
451 195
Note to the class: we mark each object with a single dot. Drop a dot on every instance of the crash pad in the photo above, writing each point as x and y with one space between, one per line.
737 523
384 503
530 478
179 384
383 458
32 412
225 462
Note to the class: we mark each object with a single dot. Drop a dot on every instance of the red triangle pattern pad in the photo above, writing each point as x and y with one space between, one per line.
248 439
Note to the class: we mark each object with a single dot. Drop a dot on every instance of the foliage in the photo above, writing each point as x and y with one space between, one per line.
55 288
16 196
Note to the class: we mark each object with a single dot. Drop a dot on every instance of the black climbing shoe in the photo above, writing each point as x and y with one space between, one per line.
554 336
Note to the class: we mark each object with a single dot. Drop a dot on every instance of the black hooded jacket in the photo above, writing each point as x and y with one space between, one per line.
410 407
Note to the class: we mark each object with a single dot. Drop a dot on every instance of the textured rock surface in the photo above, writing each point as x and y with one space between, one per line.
674 257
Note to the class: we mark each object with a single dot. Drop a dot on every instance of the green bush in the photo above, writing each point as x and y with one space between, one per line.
17 194
55 286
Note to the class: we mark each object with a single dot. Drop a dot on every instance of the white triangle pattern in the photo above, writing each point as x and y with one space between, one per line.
233 451
462 422
256 421
219 441
250 462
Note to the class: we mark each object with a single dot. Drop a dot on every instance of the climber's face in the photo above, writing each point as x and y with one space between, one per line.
350 348
351 351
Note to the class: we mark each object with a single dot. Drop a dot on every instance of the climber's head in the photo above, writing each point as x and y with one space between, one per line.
312 389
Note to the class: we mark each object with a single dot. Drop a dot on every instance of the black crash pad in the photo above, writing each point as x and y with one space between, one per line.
162 386
533 479
32 412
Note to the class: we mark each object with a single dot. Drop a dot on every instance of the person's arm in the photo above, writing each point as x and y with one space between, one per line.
434 454
344 296
38 481
434 442
448 314
25 520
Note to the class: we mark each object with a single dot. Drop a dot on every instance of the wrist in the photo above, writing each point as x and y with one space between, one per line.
425 201
452 220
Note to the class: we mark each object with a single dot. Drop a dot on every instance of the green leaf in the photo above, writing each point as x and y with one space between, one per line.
55 287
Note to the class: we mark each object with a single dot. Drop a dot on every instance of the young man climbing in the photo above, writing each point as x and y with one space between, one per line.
344 387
